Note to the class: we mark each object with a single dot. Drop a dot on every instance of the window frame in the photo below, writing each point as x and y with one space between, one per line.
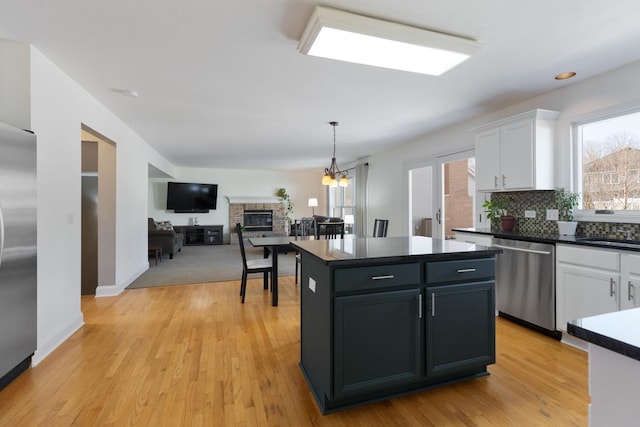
631 216
338 207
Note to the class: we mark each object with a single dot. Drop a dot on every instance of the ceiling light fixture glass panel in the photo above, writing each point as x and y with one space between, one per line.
345 36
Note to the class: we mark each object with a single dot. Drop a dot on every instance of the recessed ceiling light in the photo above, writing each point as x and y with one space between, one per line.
565 76
345 36
126 92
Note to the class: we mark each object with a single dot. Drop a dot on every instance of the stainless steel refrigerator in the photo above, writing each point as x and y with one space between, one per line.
18 262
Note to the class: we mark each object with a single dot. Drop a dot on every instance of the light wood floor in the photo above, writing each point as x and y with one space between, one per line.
193 355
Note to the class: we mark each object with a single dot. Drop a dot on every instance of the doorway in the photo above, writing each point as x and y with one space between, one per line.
98 213
456 201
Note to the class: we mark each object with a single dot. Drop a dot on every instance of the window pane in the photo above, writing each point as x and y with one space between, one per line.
611 163
342 199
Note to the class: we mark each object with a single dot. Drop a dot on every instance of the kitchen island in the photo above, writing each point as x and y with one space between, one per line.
382 317
614 365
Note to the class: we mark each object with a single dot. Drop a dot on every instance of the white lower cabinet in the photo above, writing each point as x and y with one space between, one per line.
592 281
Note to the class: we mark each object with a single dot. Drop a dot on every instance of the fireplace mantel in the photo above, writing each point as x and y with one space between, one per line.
245 200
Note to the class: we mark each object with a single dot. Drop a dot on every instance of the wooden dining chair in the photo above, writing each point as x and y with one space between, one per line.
260 265
380 227
304 227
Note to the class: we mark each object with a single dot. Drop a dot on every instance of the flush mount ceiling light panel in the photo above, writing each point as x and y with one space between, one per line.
345 36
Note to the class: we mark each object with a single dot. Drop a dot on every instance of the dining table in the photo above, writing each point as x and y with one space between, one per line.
273 245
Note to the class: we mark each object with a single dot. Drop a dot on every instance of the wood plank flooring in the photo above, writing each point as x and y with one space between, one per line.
193 355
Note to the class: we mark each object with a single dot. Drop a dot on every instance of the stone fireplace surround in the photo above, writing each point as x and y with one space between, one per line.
237 206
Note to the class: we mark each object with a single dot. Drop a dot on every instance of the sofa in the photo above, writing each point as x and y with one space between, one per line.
165 237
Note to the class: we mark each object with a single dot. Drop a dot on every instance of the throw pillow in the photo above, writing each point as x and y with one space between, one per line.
164 225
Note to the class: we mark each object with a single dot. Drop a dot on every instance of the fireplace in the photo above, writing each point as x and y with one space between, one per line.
258 220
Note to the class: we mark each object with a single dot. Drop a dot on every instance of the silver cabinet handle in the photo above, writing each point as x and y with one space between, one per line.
383 277
433 305
631 294
466 270
504 178
532 251
495 181
612 290
419 306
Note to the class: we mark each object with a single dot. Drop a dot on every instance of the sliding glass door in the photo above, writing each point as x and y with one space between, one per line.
456 197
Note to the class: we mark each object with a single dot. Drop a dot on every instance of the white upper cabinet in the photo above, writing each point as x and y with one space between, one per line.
516 153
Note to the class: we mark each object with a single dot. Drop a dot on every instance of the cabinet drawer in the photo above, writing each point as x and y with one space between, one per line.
460 271
376 277
476 239
633 261
594 258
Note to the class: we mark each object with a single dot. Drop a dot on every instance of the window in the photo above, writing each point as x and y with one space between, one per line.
342 202
609 163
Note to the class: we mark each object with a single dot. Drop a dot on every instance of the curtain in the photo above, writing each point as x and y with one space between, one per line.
362 190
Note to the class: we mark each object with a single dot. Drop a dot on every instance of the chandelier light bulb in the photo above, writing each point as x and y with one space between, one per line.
332 172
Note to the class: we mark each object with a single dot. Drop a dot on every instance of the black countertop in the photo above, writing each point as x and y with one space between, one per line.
362 250
615 331
593 241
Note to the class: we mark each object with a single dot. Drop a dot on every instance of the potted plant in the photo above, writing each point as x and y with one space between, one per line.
567 200
288 205
497 212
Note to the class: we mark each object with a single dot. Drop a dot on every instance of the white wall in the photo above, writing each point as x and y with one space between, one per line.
15 84
388 184
59 107
301 185
422 196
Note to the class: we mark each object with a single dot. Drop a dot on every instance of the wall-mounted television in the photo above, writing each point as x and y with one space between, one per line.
189 197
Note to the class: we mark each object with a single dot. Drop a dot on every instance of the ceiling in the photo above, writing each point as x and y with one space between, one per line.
222 84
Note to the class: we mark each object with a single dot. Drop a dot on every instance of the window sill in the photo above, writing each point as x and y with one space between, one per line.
627 217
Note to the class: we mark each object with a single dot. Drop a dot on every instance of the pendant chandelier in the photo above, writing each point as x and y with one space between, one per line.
333 176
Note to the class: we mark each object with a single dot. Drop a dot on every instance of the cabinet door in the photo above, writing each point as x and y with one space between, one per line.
584 292
517 156
630 281
488 160
376 341
460 327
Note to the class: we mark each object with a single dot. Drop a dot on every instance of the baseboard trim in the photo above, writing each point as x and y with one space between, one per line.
51 343
112 291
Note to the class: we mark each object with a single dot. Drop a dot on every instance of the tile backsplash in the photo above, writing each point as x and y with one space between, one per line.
540 201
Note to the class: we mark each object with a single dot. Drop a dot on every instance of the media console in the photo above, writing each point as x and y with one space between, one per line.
200 234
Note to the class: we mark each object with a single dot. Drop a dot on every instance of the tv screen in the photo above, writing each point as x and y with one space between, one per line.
188 197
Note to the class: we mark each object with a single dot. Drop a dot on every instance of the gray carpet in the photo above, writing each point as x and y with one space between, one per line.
202 264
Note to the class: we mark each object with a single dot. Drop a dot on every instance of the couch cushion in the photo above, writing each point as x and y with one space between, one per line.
151 224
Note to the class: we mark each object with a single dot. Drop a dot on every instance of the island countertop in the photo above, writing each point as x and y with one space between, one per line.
376 249
614 331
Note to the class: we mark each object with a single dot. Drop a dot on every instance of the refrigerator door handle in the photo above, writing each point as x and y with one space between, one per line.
1 235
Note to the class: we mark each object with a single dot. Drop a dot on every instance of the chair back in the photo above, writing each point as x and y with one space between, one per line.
331 230
380 227
241 242
305 227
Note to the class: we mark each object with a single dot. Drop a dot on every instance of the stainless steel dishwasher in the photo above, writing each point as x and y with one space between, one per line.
525 283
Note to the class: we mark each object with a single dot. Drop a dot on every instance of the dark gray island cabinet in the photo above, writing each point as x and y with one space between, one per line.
382 317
